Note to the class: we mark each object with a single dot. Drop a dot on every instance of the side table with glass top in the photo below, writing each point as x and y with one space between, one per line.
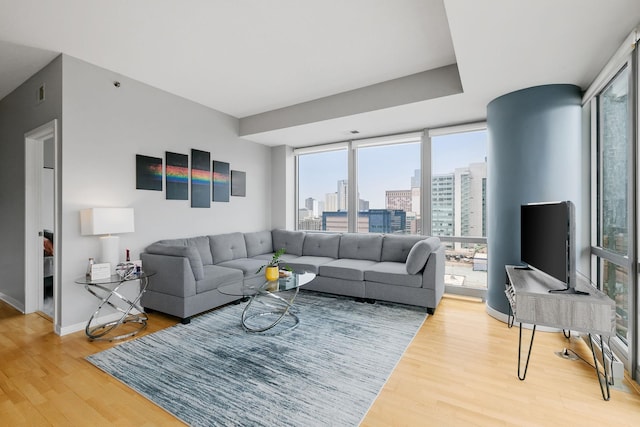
109 292
265 294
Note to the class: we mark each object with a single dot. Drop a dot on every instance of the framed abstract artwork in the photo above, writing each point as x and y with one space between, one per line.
238 183
148 173
177 176
221 182
200 179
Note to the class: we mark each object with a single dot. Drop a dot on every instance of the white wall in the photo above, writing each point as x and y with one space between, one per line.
104 128
283 186
20 112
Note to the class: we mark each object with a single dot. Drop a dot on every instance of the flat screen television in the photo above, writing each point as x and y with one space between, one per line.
547 240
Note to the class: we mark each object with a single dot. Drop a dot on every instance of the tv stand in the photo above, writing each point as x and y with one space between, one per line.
531 301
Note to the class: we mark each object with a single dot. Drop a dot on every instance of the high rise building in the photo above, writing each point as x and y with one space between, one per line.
304 213
416 179
387 221
469 196
331 202
415 200
398 199
308 203
343 194
337 221
442 205
310 223
372 221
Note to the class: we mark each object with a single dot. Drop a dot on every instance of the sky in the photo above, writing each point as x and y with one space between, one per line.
386 167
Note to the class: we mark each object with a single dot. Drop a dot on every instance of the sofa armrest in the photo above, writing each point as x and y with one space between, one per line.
433 273
174 275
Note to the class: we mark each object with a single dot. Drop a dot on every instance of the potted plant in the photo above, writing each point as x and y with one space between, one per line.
271 271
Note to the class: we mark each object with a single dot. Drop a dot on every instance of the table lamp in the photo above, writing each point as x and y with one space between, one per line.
105 222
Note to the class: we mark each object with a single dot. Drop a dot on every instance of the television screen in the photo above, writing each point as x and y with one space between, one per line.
545 240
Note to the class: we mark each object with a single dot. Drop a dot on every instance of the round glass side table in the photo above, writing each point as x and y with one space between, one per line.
108 291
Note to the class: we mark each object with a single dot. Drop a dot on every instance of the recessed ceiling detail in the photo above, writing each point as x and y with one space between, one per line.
418 87
300 73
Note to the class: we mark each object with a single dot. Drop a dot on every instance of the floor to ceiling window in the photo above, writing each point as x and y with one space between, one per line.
389 182
614 132
458 205
378 185
322 190
612 103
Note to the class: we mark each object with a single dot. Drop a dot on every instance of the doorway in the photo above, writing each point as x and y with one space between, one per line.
42 244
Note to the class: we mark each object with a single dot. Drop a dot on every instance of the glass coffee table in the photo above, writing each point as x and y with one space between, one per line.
266 309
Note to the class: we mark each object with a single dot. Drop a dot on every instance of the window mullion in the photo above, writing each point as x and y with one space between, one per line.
425 192
352 201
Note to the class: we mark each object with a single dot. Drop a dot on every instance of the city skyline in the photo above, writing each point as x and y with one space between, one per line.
379 167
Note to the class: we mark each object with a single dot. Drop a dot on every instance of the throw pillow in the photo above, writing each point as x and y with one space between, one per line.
419 254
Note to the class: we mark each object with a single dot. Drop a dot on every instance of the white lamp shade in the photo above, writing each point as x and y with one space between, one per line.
103 221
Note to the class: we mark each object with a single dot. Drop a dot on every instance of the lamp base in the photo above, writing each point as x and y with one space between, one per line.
110 248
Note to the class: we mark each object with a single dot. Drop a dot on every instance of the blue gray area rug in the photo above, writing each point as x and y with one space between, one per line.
327 371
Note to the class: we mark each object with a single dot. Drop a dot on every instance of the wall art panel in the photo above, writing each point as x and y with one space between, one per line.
200 179
221 181
177 176
148 173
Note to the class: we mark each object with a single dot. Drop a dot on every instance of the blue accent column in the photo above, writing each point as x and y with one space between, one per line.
534 155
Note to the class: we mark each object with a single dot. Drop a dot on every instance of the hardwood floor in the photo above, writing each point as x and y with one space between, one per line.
460 370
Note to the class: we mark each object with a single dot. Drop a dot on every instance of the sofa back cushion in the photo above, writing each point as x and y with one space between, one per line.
396 248
320 244
225 247
258 243
181 250
419 254
201 243
361 246
290 241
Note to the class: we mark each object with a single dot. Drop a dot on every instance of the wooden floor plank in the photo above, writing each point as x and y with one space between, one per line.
460 370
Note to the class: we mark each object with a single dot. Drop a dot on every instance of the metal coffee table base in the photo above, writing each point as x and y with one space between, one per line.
281 308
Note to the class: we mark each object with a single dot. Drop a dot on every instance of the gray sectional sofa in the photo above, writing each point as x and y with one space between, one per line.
396 268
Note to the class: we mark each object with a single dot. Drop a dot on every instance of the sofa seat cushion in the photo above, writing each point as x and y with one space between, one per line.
392 273
216 276
248 266
348 269
307 263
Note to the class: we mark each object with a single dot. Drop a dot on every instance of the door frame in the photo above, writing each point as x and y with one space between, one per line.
34 162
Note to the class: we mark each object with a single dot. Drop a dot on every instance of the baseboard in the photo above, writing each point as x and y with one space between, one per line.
12 302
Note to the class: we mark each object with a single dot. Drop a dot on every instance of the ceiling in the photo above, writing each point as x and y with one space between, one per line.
302 72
